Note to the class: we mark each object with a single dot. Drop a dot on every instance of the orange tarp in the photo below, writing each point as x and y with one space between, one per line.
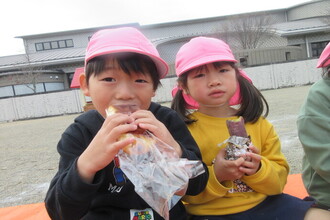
295 186
38 211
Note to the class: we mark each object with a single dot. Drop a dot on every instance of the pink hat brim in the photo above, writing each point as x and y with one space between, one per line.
205 60
324 59
161 65
124 39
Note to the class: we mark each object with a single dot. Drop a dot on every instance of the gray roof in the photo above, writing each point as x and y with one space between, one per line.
311 25
77 31
51 57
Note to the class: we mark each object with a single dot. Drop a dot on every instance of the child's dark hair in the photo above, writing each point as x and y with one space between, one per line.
251 108
128 62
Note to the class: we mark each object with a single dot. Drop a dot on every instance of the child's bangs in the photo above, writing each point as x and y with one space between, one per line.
221 63
135 63
128 62
203 68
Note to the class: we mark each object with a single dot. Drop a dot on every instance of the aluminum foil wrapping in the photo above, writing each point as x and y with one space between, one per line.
237 147
238 143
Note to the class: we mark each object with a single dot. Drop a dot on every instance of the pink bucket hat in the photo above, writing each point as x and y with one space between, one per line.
200 51
125 39
324 59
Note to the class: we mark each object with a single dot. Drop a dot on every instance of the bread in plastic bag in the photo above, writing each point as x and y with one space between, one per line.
156 171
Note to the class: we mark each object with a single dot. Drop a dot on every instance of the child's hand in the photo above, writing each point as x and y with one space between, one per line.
251 166
147 121
227 169
105 145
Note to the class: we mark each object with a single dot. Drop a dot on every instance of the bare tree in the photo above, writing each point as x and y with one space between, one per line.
28 74
31 74
248 31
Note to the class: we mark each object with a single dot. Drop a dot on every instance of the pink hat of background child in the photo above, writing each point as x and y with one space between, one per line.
202 50
125 39
324 59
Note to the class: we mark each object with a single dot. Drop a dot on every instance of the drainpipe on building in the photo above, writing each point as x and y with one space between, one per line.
307 47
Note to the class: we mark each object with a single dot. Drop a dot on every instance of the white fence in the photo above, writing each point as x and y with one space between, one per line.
67 102
40 105
272 76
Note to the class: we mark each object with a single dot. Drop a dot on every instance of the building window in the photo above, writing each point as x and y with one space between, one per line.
6 91
54 86
318 47
47 46
52 45
28 89
69 43
39 46
62 43
243 61
288 56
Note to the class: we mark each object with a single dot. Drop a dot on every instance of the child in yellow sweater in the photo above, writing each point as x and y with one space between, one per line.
209 82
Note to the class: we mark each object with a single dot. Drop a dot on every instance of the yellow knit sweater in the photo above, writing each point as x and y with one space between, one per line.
217 199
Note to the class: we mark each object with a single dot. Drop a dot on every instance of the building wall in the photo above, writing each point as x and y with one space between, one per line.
264 55
270 55
305 42
309 10
272 76
161 33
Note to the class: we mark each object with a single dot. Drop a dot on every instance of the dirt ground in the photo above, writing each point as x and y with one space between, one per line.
29 159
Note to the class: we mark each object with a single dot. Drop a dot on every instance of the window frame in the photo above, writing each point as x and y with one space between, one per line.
54 45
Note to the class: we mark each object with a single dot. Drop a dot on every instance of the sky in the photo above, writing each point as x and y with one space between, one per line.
22 17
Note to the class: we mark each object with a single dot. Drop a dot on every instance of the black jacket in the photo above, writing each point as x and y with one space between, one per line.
109 197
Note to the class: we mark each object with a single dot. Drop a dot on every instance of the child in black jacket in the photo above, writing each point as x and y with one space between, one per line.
121 67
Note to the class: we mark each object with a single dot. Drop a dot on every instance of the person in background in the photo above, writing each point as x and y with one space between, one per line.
313 125
122 67
251 186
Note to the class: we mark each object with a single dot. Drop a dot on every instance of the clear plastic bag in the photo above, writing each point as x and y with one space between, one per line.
159 175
